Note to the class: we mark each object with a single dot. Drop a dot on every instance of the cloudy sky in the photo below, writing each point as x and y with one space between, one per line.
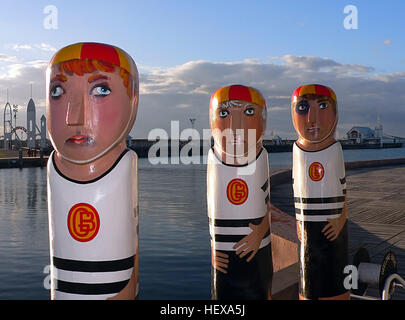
187 49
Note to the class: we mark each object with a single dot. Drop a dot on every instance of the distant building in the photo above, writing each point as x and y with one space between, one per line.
31 124
365 135
276 139
43 132
361 135
379 129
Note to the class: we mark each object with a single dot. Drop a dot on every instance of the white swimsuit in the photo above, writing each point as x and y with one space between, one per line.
93 231
234 200
319 183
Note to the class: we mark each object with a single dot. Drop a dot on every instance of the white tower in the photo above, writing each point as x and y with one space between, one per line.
7 125
43 132
31 124
379 130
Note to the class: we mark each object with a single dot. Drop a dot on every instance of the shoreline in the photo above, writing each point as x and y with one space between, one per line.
29 162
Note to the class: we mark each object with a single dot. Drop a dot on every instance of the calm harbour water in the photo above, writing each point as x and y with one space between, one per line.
174 236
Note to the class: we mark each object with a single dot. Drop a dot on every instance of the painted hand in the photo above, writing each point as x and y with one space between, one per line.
250 243
332 229
298 230
220 261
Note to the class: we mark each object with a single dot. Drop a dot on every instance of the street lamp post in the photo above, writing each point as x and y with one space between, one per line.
192 120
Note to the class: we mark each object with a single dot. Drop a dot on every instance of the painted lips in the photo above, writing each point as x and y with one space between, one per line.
237 140
314 130
80 139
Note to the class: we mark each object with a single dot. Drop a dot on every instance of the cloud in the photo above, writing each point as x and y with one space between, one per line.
18 72
45 47
389 77
362 93
182 92
8 58
323 64
17 79
18 47
387 42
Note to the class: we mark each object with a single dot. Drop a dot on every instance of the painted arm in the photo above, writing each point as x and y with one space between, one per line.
219 260
334 226
129 291
251 242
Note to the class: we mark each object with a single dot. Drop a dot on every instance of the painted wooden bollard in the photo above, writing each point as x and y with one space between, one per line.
319 184
92 101
238 192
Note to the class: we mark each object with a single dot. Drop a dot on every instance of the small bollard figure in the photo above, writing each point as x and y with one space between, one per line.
238 195
92 101
319 184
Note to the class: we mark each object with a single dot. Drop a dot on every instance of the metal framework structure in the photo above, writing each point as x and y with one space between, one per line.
31 133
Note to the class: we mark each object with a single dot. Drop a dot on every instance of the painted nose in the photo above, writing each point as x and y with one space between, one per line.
313 114
75 112
236 123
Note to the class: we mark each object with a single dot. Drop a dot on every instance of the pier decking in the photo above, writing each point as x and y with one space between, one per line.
376 210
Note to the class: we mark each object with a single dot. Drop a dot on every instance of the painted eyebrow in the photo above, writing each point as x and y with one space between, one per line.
59 77
322 100
248 105
219 109
97 77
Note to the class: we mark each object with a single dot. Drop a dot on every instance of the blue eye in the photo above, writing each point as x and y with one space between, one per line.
302 107
323 105
57 91
101 91
223 113
250 111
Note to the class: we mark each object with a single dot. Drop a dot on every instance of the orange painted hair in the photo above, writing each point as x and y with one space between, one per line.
83 66
87 57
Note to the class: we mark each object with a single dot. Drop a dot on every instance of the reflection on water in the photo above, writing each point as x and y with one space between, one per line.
174 236
23 233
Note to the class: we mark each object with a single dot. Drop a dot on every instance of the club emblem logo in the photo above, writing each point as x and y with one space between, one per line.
316 171
83 222
237 191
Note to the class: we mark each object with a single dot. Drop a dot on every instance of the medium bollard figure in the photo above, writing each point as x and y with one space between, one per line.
92 100
238 192
319 184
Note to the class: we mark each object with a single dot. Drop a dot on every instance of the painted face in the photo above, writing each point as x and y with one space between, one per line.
314 117
237 126
88 114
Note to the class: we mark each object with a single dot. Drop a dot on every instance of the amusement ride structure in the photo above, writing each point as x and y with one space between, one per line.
13 135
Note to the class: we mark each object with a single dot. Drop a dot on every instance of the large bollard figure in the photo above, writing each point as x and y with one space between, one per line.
92 101
319 184
238 195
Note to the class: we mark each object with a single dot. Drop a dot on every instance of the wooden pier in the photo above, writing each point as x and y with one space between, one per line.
376 210
25 162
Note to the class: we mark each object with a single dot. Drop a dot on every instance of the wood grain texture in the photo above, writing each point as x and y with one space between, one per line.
376 211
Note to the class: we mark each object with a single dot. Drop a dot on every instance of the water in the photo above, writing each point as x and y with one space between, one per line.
174 236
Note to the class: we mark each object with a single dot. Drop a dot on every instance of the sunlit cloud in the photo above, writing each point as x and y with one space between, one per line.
362 93
8 58
46 47
182 92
